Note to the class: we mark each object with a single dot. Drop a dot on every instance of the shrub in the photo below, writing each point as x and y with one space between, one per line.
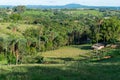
32 59
11 59
2 57
38 59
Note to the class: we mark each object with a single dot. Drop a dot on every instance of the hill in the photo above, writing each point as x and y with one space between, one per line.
67 6
56 7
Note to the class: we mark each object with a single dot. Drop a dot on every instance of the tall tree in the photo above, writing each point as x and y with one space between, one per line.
110 29
19 9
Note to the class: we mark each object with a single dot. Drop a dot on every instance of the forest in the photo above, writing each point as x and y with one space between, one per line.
26 35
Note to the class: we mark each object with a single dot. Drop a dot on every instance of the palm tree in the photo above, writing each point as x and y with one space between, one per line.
40 32
4 41
13 27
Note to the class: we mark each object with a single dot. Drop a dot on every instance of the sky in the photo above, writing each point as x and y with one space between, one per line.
61 2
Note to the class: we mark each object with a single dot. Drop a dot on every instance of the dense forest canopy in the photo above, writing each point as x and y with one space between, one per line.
28 31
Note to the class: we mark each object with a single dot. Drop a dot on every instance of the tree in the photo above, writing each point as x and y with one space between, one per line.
95 28
110 29
13 27
15 17
40 33
19 9
4 42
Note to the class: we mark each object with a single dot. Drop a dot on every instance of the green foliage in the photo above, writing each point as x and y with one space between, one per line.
13 27
19 9
11 59
33 59
33 51
114 53
2 57
27 32
110 29
39 59
48 45
15 17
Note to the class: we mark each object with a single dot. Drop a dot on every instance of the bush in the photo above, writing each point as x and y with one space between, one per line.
38 59
114 53
33 51
2 57
32 59
11 59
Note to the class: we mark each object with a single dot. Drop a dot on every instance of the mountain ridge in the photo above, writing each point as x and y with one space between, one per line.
69 6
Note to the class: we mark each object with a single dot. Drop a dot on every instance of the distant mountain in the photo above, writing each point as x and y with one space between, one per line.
68 6
6 6
73 6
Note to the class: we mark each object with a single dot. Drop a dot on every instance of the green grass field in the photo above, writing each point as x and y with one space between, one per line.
66 54
71 51
78 69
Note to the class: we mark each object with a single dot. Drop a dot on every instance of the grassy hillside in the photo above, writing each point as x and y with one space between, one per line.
76 71
73 70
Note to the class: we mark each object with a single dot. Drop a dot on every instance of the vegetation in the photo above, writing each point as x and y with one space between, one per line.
82 68
58 41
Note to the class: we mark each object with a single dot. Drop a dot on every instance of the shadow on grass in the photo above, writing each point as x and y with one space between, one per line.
39 73
110 60
68 59
76 71
83 47
65 59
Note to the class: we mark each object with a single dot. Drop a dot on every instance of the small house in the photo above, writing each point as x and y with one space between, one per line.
98 46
